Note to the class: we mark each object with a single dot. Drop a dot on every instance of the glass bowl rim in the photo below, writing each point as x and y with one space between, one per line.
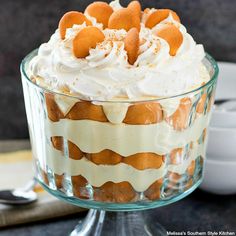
211 81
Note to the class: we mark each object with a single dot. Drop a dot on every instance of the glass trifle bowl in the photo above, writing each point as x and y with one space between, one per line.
118 157
118 103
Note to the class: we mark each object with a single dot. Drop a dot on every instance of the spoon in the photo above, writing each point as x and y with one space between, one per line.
20 196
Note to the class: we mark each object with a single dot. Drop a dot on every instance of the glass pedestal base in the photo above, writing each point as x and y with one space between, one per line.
111 219
107 223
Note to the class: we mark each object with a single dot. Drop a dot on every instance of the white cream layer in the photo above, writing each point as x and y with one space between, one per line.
93 136
115 111
97 175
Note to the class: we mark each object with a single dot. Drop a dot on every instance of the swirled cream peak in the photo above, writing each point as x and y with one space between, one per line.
106 74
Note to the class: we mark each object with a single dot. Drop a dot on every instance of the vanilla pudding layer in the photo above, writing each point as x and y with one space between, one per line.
93 136
97 175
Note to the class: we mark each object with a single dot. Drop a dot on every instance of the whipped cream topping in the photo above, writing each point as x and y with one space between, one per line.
106 74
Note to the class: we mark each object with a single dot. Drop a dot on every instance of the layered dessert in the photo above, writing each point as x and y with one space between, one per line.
126 106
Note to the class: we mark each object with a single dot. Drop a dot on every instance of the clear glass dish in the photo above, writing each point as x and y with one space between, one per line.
118 155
